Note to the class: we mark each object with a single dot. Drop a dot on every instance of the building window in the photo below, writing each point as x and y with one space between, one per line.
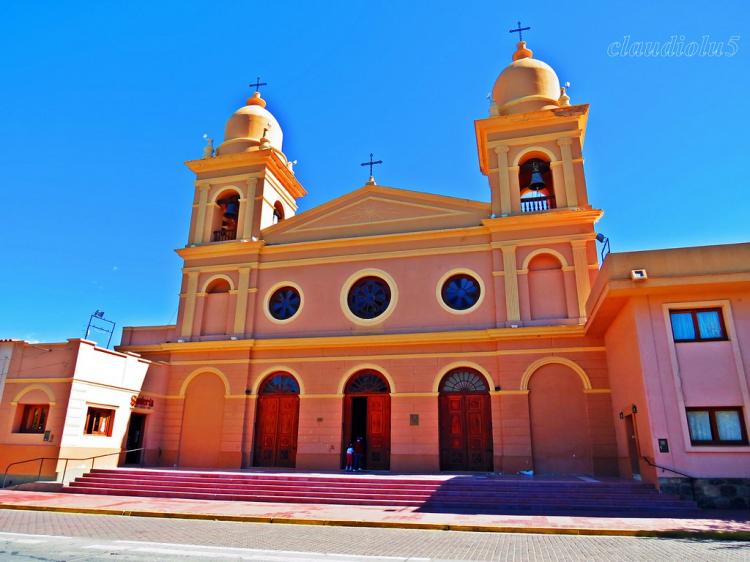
461 292
716 426
99 421
34 418
284 303
705 324
369 297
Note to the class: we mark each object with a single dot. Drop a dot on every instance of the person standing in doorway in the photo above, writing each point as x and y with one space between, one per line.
359 453
350 458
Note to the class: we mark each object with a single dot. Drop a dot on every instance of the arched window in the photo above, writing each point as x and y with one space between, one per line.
278 212
367 382
279 383
463 379
226 215
535 181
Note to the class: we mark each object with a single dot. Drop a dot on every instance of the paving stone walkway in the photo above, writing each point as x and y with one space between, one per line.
712 523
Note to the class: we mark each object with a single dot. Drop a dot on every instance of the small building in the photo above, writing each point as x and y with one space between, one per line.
69 400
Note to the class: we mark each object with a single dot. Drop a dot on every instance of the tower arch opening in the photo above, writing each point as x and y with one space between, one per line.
225 217
536 183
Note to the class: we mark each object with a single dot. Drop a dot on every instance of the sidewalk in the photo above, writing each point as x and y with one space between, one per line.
717 524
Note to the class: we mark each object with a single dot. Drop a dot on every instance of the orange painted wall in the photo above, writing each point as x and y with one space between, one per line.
202 423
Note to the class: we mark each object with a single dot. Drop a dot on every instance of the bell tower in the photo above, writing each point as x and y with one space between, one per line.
248 185
530 145
530 149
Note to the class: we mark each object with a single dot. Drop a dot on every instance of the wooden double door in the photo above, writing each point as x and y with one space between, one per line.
276 427
369 416
465 431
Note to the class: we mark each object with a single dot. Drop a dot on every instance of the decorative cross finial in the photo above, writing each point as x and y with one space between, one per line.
371 163
257 84
520 31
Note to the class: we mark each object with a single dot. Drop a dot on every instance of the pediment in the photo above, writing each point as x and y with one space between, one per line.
376 210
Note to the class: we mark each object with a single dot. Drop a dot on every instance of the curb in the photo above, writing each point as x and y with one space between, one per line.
666 533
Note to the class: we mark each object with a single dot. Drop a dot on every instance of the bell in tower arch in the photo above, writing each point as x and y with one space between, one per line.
537 168
231 208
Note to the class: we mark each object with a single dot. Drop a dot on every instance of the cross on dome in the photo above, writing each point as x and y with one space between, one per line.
257 84
519 30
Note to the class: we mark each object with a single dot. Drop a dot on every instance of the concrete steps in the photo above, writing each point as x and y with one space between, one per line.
460 494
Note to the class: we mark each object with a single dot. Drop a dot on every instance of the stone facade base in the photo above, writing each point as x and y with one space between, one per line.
719 493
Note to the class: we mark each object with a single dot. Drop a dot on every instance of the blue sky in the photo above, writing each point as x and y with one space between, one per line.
102 102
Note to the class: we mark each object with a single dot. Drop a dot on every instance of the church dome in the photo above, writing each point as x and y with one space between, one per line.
527 84
245 129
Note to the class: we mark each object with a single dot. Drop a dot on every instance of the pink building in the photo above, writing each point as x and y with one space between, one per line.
448 334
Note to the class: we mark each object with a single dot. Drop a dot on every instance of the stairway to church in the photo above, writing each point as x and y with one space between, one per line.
458 494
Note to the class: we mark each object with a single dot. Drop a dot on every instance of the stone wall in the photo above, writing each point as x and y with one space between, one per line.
718 493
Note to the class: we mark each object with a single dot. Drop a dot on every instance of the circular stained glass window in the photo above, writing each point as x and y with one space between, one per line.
284 303
461 291
369 297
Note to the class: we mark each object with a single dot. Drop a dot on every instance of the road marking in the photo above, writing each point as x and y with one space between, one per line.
2 534
266 551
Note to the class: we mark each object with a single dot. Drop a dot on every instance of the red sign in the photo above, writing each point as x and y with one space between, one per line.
141 402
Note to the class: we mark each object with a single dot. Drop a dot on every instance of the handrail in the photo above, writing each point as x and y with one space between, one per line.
66 459
690 478
648 461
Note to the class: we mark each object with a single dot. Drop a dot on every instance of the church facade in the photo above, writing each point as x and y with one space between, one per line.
449 334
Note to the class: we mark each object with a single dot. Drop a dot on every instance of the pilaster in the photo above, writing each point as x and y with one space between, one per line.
568 173
186 330
240 313
515 189
583 282
511 283
501 196
197 236
558 182
248 219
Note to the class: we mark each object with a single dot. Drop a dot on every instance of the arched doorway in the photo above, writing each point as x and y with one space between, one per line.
560 438
367 414
465 421
202 422
277 421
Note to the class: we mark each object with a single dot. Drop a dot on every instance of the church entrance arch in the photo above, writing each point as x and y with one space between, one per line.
367 414
560 437
277 422
465 421
202 422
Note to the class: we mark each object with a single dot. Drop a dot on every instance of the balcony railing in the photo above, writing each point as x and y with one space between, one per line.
222 235
534 204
